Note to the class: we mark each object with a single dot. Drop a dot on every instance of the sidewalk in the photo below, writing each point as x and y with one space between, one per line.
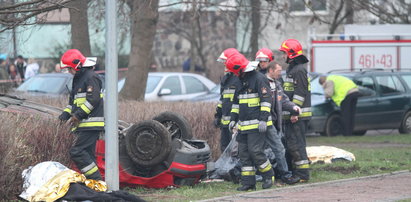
385 187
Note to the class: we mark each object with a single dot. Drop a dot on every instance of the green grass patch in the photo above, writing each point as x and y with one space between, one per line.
381 155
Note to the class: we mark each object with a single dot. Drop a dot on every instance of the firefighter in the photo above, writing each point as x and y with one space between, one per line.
264 56
344 93
297 88
275 134
229 83
85 111
252 110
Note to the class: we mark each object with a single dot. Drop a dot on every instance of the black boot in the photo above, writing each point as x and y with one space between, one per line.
290 179
268 179
246 187
268 183
247 182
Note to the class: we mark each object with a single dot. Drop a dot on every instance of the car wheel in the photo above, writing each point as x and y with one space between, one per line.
405 127
359 132
334 125
176 124
148 143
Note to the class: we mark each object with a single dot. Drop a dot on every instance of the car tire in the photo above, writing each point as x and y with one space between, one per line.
405 127
176 124
148 143
334 125
359 132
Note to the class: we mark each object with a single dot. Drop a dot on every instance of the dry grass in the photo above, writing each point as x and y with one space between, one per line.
27 140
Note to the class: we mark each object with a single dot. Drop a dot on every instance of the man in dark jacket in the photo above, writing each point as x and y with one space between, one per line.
297 88
85 111
229 83
274 134
252 110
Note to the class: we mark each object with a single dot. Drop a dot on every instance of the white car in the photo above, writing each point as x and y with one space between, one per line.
174 86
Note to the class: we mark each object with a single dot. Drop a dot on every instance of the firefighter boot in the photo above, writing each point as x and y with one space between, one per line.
248 183
303 171
268 179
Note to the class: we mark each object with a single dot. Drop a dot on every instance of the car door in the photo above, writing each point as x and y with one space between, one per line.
193 87
392 101
365 117
172 89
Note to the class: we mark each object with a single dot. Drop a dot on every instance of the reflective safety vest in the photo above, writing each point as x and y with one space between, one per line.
341 87
252 102
86 100
297 86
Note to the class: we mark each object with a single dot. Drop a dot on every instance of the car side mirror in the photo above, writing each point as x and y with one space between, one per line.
164 91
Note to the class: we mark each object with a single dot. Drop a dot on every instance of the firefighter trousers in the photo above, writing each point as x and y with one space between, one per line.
251 153
296 148
83 153
225 138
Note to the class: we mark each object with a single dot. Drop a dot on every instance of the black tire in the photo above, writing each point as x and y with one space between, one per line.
148 143
359 132
405 127
334 125
176 124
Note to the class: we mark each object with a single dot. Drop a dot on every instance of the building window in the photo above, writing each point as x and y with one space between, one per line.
308 7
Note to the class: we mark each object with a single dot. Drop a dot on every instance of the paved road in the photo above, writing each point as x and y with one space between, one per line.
385 187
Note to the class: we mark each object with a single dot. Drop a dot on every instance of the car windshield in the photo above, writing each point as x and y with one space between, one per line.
316 88
43 84
152 82
216 89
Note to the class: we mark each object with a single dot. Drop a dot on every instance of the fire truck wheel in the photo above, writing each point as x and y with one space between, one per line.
176 124
148 143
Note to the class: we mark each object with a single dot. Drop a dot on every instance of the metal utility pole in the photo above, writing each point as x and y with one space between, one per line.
111 98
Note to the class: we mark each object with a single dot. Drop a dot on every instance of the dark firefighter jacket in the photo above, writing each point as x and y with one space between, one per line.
252 102
283 103
229 83
297 87
86 100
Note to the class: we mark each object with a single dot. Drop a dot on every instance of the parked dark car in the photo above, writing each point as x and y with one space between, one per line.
385 104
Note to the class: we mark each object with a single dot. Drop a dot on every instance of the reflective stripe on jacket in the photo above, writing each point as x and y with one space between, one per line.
229 83
86 100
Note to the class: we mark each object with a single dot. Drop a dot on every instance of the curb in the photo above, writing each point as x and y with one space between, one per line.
296 187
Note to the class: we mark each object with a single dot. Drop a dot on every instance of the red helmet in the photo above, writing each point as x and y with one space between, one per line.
226 54
75 59
264 55
238 63
292 47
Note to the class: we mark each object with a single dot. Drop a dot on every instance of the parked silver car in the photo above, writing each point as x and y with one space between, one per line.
174 86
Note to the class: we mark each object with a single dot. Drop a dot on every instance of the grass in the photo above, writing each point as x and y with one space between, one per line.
382 154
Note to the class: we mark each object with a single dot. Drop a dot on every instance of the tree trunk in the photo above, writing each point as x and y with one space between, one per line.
144 19
349 10
255 25
80 38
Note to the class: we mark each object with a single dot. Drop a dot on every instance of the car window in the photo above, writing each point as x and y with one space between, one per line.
173 83
44 84
316 88
407 79
152 82
193 85
366 85
389 84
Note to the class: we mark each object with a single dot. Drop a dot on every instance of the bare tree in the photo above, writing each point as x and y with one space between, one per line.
255 24
392 12
16 14
144 17
80 37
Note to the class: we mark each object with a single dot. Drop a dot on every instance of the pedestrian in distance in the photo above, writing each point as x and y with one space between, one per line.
344 93
85 111
21 66
252 110
298 89
229 83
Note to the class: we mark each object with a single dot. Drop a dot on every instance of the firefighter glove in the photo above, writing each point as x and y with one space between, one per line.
297 109
64 116
231 126
217 122
262 127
